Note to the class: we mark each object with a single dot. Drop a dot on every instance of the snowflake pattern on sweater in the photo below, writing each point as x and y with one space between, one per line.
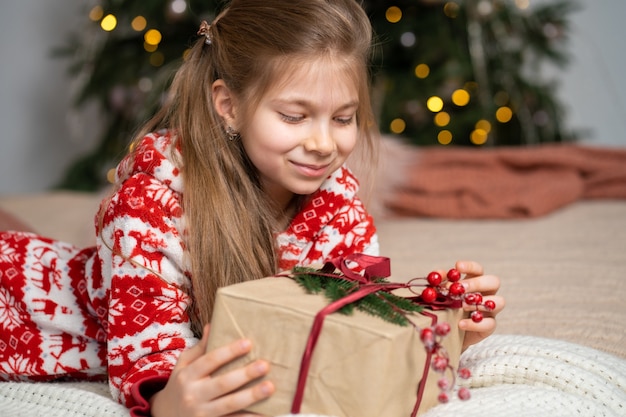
119 310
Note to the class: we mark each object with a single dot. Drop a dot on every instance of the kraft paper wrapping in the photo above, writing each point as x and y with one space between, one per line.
362 365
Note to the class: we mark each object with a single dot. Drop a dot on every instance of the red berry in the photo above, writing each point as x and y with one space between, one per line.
457 289
476 316
470 298
427 336
473 298
464 373
443 397
440 363
429 294
453 275
464 393
443 384
442 329
490 304
434 278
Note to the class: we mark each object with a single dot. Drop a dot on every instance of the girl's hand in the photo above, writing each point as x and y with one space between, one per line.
487 285
192 391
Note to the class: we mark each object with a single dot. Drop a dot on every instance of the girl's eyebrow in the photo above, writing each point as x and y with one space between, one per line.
308 104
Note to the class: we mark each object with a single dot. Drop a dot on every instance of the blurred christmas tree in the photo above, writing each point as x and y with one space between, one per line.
461 72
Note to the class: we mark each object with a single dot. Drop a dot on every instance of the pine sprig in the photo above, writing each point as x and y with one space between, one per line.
312 283
382 304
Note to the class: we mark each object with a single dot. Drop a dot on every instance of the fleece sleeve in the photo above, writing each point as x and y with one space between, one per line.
142 255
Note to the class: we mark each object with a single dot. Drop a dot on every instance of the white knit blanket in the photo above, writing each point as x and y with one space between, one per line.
512 376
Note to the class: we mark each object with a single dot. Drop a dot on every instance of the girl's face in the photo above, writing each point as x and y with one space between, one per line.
303 129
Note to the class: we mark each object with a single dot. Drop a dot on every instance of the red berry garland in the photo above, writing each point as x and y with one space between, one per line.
450 288
437 287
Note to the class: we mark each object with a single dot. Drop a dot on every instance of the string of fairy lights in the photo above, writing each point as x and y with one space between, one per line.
152 37
460 97
447 77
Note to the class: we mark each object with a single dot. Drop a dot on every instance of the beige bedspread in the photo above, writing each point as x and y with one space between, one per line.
563 276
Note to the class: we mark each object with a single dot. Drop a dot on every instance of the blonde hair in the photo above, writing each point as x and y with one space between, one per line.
251 42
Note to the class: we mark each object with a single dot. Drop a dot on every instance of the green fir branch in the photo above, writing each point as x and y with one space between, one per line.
385 305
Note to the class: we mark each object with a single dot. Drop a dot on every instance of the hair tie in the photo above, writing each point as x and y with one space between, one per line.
205 31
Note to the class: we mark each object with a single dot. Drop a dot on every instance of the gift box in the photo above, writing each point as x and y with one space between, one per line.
360 366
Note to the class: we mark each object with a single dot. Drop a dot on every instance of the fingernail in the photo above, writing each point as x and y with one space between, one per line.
245 344
266 388
261 367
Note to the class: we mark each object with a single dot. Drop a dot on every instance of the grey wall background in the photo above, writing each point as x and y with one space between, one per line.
39 135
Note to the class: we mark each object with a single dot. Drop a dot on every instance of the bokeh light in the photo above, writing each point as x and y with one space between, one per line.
150 48
138 23
504 114
451 9
479 137
108 23
408 39
152 37
434 104
397 126
460 97
483 125
422 71
96 13
442 119
444 137
178 6
393 14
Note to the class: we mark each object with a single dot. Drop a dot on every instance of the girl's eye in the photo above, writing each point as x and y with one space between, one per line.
291 119
345 120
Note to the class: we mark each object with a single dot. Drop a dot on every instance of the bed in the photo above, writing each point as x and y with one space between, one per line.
560 346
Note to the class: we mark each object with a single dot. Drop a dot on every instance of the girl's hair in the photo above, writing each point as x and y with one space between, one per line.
230 225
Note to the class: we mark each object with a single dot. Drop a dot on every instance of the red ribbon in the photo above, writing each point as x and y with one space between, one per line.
372 267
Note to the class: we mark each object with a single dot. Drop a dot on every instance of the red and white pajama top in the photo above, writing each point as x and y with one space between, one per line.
67 312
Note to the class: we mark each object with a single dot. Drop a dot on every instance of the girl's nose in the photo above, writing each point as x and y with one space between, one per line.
321 141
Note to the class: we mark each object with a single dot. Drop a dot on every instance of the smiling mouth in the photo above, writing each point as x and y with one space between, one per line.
311 170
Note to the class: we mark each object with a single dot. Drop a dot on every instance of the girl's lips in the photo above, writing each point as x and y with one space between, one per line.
311 170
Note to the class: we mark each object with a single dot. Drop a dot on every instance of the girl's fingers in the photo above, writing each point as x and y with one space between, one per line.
483 328
484 284
218 386
209 362
240 400
196 363
469 268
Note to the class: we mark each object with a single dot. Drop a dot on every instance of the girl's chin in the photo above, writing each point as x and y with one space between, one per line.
309 188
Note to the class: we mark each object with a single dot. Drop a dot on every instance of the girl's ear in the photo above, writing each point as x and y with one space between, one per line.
224 102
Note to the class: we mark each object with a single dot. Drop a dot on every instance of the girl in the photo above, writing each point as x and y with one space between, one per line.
240 175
